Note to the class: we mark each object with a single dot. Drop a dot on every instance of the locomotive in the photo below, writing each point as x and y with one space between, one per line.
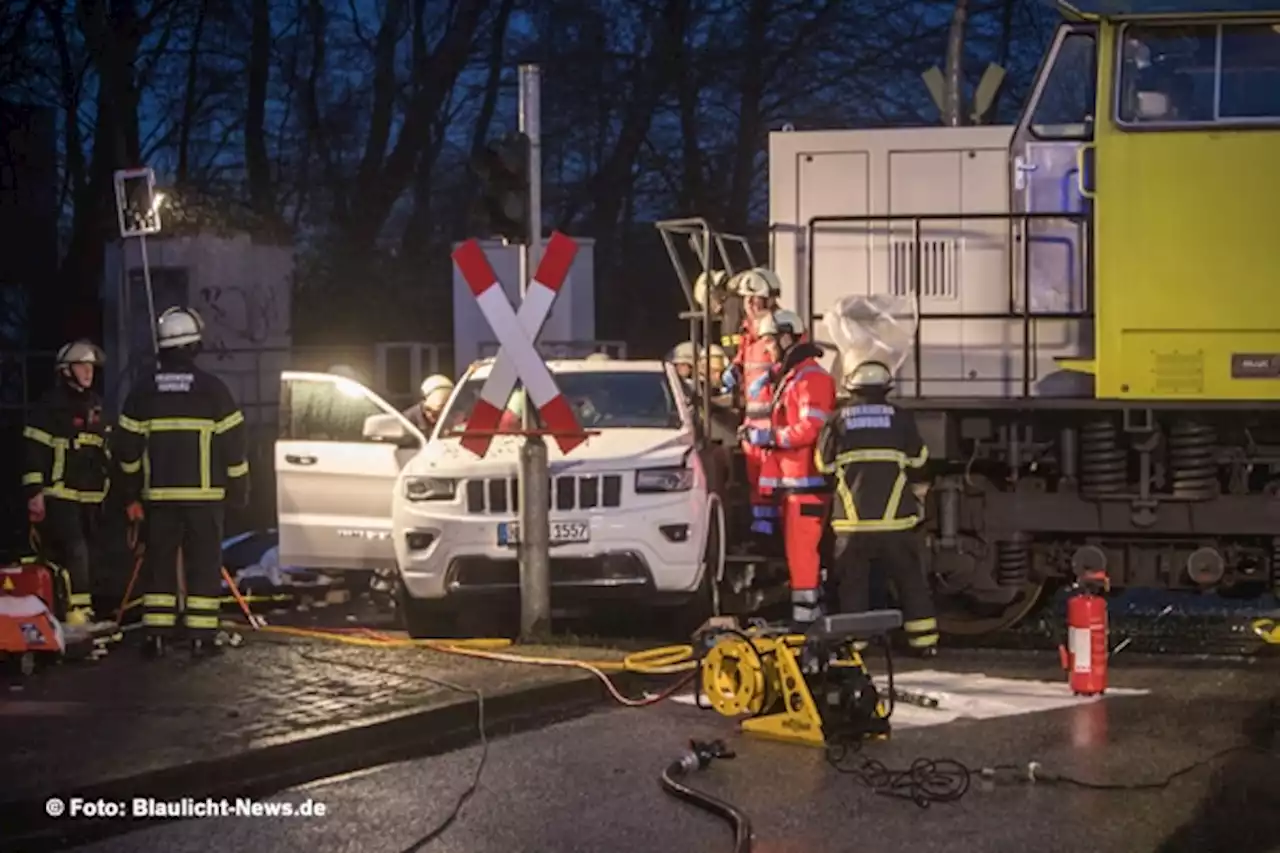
1092 305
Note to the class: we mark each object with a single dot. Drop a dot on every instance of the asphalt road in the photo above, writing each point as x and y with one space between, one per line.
591 785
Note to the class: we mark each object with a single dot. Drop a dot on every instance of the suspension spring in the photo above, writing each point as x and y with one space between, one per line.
1193 470
1013 561
1104 465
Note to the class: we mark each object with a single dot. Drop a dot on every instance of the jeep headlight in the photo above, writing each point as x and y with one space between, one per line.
664 480
430 488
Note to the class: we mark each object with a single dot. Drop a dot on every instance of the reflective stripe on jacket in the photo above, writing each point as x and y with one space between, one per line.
753 361
870 448
803 401
182 437
65 447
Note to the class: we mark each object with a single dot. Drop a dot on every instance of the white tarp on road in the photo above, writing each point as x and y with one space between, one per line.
963 695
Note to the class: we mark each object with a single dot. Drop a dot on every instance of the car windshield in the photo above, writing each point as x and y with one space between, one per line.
601 399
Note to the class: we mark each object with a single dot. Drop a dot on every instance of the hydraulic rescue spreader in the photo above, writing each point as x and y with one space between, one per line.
812 689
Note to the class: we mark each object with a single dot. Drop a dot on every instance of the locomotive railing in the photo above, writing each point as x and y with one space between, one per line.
711 251
1019 241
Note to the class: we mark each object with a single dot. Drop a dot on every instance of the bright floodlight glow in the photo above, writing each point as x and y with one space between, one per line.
349 388
156 201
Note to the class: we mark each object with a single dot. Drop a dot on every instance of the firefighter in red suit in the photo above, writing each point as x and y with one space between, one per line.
804 396
750 370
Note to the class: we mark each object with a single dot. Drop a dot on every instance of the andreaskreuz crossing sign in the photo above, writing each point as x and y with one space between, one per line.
517 357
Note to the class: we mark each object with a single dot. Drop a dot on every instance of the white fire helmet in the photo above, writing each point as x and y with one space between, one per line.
780 322
81 352
435 391
179 327
717 354
860 372
760 281
683 354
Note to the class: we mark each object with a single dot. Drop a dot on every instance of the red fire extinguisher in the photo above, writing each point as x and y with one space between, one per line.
1084 656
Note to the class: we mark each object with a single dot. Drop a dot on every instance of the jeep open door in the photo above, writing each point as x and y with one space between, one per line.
334 486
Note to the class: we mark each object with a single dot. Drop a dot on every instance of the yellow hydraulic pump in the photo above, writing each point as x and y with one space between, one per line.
811 689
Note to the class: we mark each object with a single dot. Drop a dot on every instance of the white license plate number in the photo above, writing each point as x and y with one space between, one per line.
562 532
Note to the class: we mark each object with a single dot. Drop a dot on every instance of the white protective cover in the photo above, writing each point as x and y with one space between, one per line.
879 327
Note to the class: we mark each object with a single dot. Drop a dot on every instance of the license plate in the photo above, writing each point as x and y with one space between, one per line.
562 532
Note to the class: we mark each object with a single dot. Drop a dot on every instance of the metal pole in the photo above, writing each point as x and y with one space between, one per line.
535 479
151 300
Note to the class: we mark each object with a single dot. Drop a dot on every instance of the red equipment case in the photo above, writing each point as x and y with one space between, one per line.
33 577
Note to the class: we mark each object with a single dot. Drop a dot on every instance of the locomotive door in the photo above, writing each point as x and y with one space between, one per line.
1057 123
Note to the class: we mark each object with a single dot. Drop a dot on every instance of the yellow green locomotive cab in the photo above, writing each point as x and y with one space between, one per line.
1182 177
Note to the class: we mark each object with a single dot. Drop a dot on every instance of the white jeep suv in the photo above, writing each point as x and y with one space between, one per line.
632 518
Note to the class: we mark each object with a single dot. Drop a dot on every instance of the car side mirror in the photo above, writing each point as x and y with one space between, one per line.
388 429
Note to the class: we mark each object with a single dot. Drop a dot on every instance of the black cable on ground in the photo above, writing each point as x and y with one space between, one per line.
469 791
945 780
698 757
925 782
1033 773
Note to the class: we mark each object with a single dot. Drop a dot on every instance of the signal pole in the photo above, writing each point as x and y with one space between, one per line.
535 479
137 216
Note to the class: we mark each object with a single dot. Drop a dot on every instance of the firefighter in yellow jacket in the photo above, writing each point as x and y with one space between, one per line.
181 449
65 471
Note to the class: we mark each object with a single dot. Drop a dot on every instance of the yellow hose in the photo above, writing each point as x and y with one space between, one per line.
667 660
1268 630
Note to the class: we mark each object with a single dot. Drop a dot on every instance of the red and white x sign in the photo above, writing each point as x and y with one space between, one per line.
517 357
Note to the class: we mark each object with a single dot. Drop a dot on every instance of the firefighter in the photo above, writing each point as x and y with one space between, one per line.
684 360
65 471
181 449
751 365
435 393
803 399
871 448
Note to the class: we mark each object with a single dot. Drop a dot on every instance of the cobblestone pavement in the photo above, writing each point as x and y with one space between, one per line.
85 723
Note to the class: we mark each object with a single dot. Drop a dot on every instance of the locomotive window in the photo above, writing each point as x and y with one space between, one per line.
1198 75
1250 72
1064 106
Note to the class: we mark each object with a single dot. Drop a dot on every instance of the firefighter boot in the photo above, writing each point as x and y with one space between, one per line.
153 648
205 647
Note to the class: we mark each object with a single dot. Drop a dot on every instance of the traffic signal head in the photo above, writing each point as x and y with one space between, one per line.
503 169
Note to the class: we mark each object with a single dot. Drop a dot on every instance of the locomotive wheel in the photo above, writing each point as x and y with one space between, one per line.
968 602
962 615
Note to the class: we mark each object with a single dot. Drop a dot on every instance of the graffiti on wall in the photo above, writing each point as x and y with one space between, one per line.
242 317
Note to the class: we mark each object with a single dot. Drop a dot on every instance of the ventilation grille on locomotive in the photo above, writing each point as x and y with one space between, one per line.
502 494
939 268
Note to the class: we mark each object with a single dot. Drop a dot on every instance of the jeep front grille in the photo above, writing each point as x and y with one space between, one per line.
502 494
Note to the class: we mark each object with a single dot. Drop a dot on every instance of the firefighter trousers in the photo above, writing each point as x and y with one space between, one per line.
804 522
896 555
66 536
184 554
764 511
